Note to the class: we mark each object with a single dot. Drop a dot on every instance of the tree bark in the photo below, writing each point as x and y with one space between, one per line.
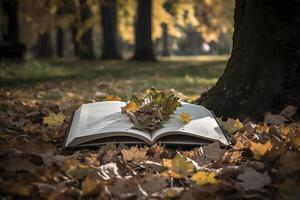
86 47
43 47
59 42
165 40
110 47
263 71
143 32
10 46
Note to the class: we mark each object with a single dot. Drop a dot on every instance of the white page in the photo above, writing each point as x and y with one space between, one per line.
103 117
203 124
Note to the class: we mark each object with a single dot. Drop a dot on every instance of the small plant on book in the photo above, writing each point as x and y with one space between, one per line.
152 111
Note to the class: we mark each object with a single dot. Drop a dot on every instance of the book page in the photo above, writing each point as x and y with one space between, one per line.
203 124
104 118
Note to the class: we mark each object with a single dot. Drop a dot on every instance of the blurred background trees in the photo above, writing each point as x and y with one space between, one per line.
115 29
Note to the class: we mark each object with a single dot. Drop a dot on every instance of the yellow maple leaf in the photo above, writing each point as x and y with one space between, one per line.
112 98
203 178
185 117
178 167
54 119
131 107
259 149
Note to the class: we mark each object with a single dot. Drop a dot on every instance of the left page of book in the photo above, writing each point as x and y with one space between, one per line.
103 119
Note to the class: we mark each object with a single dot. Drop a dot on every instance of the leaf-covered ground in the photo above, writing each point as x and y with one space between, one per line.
36 102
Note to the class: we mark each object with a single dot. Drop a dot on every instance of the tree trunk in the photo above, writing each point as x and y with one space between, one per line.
10 46
59 42
74 40
165 40
43 47
263 71
86 47
143 32
110 47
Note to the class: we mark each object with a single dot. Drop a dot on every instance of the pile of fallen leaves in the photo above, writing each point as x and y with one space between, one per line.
152 111
263 162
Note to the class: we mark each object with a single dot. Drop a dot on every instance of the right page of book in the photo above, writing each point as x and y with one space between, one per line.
202 125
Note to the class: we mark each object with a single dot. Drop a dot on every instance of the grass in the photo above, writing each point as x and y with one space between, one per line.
189 75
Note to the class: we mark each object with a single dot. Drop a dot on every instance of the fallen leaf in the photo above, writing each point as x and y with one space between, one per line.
91 185
259 149
253 180
289 189
112 98
19 188
134 154
178 167
289 163
273 119
204 178
131 107
212 153
288 112
54 119
154 183
185 117
232 125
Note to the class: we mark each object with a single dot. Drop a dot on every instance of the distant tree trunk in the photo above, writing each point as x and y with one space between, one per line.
43 47
165 40
59 42
10 47
143 32
74 40
110 47
86 47
264 69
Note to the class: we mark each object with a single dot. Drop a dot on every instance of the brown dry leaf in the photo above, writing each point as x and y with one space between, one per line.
259 149
295 138
178 167
289 189
54 119
289 163
232 157
153 183
273 119
204 178
131 107
288 112
185 118
91 185
19 188
134 154
212 153
253 180
112 98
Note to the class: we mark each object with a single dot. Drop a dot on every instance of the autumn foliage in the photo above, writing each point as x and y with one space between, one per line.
263 162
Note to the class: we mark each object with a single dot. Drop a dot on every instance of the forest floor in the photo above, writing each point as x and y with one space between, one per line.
38 97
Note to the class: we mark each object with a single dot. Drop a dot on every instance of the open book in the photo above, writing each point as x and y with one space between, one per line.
102 122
